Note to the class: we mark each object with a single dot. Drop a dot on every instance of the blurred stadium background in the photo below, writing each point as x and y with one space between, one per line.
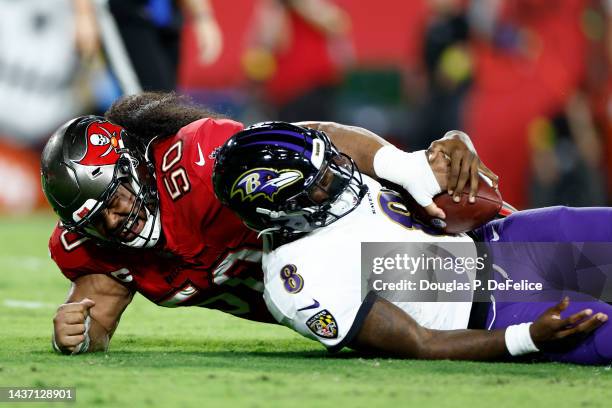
529 80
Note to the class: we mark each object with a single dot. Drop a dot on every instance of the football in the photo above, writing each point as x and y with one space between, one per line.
462 216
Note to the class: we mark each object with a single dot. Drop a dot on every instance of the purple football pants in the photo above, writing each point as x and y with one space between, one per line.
569 268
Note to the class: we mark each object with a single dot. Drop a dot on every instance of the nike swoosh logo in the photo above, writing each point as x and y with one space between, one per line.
495 235
313 306
200 162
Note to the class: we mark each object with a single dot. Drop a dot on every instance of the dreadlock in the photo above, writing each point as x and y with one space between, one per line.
150 114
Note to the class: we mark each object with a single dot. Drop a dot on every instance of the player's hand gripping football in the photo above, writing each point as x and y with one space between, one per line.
463 165
550 329
69 324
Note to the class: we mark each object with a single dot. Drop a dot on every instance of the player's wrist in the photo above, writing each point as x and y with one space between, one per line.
459 135
518 340
410 170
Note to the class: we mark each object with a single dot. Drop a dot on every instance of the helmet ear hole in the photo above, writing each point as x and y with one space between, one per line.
123 170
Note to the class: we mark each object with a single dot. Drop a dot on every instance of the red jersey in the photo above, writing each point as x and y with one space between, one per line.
209 258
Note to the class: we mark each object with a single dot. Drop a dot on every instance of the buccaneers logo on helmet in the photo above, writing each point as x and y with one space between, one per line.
102 145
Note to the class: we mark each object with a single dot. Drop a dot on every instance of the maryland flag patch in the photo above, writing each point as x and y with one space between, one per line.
323 325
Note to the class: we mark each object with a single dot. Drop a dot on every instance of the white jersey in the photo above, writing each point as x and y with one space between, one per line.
313 284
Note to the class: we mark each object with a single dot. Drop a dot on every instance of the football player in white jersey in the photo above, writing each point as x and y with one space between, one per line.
315 208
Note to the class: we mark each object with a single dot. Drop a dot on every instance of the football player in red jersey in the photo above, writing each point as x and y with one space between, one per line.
137 211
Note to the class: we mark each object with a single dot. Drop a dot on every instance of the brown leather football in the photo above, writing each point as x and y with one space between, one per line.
462 216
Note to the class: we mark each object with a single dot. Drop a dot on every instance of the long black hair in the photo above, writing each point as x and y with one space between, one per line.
150 114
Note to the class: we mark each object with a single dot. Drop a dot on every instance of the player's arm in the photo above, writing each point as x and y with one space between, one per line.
359 143
86 31
323 15
378 158
88 319
390 330
207 30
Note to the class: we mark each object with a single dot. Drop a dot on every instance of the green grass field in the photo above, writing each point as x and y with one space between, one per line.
192 357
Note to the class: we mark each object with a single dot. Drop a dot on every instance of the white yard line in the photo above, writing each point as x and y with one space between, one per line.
27 304
26 262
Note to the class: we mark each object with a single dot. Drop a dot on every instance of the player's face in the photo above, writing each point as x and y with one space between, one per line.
117 221
327 185
318 193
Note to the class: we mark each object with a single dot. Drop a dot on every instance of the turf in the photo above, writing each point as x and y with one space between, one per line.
192 357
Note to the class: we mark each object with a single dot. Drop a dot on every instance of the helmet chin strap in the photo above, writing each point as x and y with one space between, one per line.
348 200
150 234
